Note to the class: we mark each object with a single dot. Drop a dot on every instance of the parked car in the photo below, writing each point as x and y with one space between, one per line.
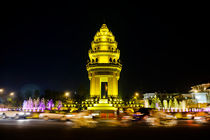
13 114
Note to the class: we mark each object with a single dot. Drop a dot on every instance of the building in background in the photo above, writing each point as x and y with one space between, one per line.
201 95
149 95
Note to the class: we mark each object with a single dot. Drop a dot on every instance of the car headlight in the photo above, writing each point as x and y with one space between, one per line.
88 117
28 113
70 115
21 113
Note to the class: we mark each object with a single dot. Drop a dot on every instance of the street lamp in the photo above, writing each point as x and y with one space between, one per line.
136 94
1 90
12 94
195 91
67 94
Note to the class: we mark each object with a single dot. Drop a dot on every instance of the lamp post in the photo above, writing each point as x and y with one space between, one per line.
1 90
10 98
11 94
136 95
67 94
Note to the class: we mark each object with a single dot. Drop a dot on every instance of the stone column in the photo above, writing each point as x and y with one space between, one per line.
92 87
110 86
115 85
97 86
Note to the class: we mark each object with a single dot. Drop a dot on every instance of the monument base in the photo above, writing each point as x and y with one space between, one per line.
103 105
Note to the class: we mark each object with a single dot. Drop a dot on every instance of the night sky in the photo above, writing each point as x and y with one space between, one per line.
162 49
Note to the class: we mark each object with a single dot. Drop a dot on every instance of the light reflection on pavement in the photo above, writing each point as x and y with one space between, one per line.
37 129
106 123
34 123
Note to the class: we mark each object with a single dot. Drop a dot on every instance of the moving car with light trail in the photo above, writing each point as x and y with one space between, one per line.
13 114
53 116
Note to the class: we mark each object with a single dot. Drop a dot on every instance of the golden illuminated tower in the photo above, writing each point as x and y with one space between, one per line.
104 66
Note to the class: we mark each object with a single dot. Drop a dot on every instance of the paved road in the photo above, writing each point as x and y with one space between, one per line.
29 129
68 124
31 123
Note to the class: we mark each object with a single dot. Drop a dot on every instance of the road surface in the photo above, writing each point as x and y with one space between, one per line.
36 129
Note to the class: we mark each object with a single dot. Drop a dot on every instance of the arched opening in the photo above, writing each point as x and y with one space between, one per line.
96 59
92 60
110 59
114 60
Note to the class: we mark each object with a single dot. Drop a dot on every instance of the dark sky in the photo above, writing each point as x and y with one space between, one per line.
162 48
